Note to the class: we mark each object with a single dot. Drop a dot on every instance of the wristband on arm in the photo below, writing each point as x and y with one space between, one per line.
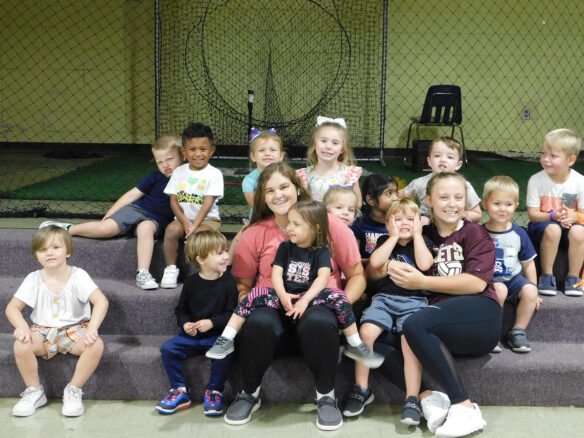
551 212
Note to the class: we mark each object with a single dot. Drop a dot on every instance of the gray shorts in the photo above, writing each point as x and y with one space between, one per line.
390 311
130 216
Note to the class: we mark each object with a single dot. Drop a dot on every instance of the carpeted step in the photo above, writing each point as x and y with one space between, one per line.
101 258
132 311
131 369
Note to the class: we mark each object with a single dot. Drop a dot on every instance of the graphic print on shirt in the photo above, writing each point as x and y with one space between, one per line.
371 241
191 190
504 259
298 272
448 259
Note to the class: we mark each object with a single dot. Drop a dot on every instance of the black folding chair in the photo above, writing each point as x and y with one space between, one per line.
442 107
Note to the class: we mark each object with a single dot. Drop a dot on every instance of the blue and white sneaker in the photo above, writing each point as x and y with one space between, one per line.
547 285
213 403
571 290
176 400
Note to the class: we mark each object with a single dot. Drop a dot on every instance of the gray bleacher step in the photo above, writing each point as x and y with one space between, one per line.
131 369
134 311
102 258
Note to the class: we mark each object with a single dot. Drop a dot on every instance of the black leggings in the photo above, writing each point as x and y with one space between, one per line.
463 325
268 331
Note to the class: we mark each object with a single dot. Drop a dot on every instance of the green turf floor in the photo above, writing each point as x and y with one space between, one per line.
109 178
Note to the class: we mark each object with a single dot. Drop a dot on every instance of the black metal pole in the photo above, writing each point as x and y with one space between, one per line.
383 79
157 69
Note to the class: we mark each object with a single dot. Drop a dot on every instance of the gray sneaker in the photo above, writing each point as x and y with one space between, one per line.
329 416
241 409
361 353
64 225
356 400
547 285
221 348
571 290
517 340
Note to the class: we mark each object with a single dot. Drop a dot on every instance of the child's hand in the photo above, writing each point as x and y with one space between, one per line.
203 325
417 224
23 335
286 300
538 303
91 337
189 328
566 217
391 226
298 309
189 229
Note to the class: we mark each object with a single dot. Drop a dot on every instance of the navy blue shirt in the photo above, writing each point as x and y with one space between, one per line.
155 202
367 231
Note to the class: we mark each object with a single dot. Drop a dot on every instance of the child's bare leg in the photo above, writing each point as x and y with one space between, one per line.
89 357
236 322
25 355
233 247
145 247
96 230
174 231
576 250
549 248
412 370
528 296
369 334
501 291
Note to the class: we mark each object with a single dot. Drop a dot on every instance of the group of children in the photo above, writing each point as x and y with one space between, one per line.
180 203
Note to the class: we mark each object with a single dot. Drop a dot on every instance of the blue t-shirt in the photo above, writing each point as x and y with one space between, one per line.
155 202
250 183
367 231
511 248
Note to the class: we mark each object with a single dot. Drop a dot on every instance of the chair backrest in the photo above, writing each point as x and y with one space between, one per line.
442 105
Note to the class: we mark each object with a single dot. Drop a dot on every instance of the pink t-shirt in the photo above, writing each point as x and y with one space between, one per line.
258 245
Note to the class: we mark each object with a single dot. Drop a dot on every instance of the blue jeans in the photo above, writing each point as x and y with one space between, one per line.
181 347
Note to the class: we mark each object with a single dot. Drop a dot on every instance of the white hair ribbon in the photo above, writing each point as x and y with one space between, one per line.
321 119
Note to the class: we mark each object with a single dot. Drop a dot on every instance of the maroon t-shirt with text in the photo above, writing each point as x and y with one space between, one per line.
467 250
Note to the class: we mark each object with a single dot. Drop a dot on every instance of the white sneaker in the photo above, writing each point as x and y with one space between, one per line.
144 280
170 277
435 409
32 398
64 225
461 421
72 404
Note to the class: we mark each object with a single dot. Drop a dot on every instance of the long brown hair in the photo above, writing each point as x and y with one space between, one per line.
315 215
260 209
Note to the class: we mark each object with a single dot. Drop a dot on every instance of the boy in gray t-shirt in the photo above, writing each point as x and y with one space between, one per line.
443 156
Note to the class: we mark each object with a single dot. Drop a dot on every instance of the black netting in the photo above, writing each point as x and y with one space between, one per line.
301 58
78 82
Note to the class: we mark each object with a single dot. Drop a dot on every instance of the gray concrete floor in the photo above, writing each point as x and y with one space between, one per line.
139 419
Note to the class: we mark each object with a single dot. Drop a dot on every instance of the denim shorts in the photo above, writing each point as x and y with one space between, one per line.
536 230
514 286
130 216
390 311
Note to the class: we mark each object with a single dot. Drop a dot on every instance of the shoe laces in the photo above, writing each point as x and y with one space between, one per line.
28 393
245 396
358 394
326 401
213 397
174 393
73 393
221 341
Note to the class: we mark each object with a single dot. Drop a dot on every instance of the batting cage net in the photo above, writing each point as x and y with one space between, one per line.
86 86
